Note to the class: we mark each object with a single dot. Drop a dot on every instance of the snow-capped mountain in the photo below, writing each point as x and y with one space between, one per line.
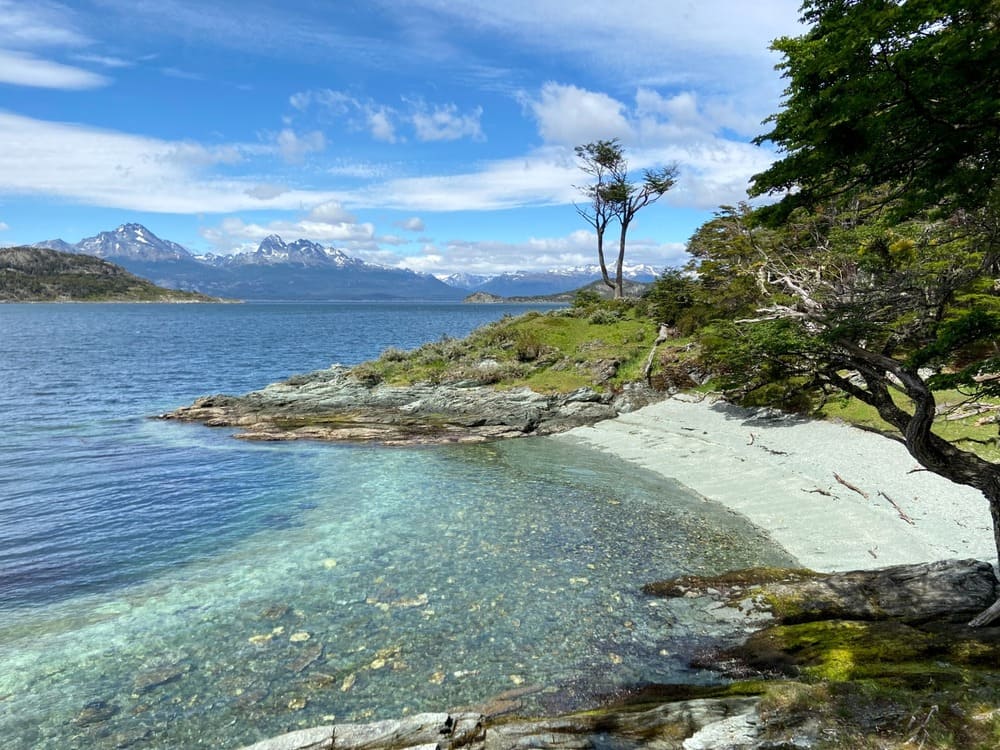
554 281
275 251
465 280
129 241
275 270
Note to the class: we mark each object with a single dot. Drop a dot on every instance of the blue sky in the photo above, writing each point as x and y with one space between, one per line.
432 134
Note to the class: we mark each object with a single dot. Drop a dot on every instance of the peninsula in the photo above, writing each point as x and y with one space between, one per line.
32 274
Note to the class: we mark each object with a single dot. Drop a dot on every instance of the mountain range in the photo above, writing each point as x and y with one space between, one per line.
279 270
537 283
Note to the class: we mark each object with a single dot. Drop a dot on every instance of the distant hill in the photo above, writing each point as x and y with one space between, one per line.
32 274
542 283
275 270
631 289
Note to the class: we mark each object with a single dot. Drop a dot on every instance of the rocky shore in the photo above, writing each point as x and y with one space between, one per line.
337 405
830 660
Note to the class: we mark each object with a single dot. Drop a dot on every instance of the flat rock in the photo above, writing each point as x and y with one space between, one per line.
945 589
333 405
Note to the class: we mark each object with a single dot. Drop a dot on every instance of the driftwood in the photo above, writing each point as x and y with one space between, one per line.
850 486
987 616
900 511
662 336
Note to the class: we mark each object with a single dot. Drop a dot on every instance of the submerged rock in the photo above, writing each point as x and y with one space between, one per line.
95 712
335 405
154 678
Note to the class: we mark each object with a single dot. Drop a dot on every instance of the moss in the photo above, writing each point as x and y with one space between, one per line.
881 684
839 650
734 579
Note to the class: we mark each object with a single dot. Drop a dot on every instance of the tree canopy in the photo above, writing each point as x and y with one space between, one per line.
614 195
889 93
877 272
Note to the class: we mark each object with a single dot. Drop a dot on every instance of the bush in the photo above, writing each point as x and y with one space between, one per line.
393 354
528 346
586 299
367 374
603 316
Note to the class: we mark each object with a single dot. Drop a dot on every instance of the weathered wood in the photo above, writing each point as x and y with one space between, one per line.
850 486
987 616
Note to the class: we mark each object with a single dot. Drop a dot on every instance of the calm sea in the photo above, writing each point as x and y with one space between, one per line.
166 586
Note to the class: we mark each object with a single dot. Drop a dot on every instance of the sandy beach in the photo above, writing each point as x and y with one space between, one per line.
782 473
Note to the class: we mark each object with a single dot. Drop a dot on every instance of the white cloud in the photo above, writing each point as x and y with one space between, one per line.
444 123
568 115
656 130
107 61
438 122
380 125
331 211
108 168
535 254
37 24
4 226
413 224
266 191
294 148
359 170
544 177
24 69
719 45
232 234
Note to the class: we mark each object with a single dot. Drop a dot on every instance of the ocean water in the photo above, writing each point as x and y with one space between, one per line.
165 586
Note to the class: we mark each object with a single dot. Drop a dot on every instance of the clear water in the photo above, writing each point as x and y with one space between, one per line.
165 586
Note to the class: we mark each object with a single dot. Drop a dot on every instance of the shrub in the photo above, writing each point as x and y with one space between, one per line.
367 374
604 316
527 346
393 354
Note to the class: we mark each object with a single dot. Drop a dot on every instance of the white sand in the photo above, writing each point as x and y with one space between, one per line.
768 468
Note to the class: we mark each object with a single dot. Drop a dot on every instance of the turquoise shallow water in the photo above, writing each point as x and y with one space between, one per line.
163 585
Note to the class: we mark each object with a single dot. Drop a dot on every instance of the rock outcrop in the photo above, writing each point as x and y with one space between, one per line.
334 404
669 725
950 590
887 628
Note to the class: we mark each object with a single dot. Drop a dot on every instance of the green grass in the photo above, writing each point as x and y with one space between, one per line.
981 439
555 352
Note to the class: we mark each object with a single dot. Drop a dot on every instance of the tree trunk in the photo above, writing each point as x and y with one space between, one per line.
619 284
600 257
930 450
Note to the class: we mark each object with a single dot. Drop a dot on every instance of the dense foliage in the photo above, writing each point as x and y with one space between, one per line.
877 274
890 93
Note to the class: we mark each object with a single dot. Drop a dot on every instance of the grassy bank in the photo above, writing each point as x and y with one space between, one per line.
601 346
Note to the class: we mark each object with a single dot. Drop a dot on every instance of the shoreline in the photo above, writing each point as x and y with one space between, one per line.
780 471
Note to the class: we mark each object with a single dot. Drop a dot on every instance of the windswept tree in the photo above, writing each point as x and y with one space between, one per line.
613 195
600 160
876 274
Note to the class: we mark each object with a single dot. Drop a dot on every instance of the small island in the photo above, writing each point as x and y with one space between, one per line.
33 274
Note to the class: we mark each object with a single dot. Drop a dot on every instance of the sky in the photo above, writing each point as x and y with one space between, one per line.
435 135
